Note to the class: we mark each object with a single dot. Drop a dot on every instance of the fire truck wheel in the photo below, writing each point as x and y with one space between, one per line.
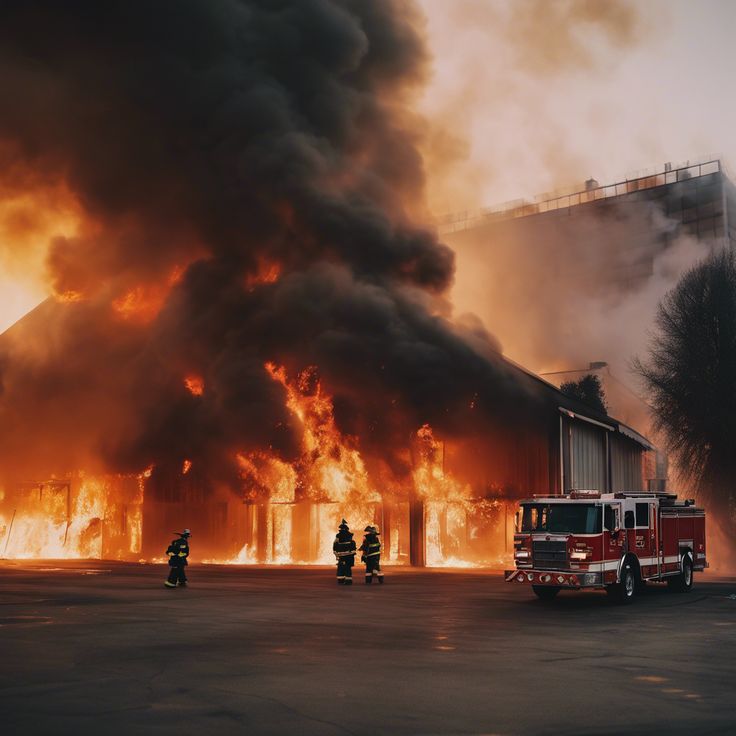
683 582
545 592
624 591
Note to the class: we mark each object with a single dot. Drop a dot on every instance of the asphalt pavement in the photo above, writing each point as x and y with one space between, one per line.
104 648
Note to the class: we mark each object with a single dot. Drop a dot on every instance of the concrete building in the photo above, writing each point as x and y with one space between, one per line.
647 212
574 277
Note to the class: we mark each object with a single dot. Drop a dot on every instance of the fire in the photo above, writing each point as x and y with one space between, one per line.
330 481
335 469
450 508
194 384
70 296
143 303
139 304
292 509
268 272
76 517
330 477
33 212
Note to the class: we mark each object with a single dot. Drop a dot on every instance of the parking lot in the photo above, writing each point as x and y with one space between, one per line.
99 647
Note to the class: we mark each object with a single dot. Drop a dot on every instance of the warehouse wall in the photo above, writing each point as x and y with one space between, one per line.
595 458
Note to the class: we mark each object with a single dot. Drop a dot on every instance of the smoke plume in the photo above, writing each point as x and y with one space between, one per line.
516 103
245 178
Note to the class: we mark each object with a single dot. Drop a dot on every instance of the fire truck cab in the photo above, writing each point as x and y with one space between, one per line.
611 541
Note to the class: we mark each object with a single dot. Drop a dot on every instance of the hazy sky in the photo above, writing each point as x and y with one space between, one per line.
547 93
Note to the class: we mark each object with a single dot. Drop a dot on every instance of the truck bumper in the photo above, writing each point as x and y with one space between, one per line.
556 578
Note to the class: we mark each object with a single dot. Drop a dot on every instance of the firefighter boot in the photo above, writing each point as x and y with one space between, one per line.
368 579
380 578
172 578
348 581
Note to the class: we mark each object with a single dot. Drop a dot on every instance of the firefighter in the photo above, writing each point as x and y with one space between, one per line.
344 549
371 549
178 552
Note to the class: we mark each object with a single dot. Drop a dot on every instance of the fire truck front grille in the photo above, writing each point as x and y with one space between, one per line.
549 555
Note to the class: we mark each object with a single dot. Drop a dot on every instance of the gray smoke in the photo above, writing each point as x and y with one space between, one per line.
214 138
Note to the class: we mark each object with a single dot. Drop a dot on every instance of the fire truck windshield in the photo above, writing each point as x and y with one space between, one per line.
571 518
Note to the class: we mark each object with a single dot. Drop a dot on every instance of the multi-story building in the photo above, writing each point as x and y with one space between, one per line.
575 277
692 199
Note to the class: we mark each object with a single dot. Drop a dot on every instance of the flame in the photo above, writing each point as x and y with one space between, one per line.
139 304
70 296
77 517
453 516
330 476
292 509
143 303
331 479
194 384
267 272
33 212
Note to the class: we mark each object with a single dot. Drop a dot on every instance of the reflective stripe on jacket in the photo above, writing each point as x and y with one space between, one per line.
371 546
344 546
178 550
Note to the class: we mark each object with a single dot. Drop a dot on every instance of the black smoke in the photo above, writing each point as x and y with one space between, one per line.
218 137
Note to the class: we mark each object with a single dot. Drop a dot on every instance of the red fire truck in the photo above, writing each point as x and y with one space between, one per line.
613 541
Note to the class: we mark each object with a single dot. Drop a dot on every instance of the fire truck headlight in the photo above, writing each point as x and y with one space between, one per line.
521 554
579 555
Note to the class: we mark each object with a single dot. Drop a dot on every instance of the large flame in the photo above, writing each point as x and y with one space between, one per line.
87 517
332 475
78 517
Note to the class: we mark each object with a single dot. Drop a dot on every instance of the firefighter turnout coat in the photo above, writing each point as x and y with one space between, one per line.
178 551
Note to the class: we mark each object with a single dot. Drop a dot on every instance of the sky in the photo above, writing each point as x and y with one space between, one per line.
524 97
541 94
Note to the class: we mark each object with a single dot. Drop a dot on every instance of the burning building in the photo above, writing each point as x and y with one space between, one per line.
250 332
451 503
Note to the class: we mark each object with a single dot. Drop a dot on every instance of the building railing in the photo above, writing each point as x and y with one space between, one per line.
669 174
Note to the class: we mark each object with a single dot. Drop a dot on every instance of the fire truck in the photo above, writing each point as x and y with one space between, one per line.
611 541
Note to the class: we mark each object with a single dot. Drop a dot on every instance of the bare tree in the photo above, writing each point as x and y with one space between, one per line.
691 375
589 390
